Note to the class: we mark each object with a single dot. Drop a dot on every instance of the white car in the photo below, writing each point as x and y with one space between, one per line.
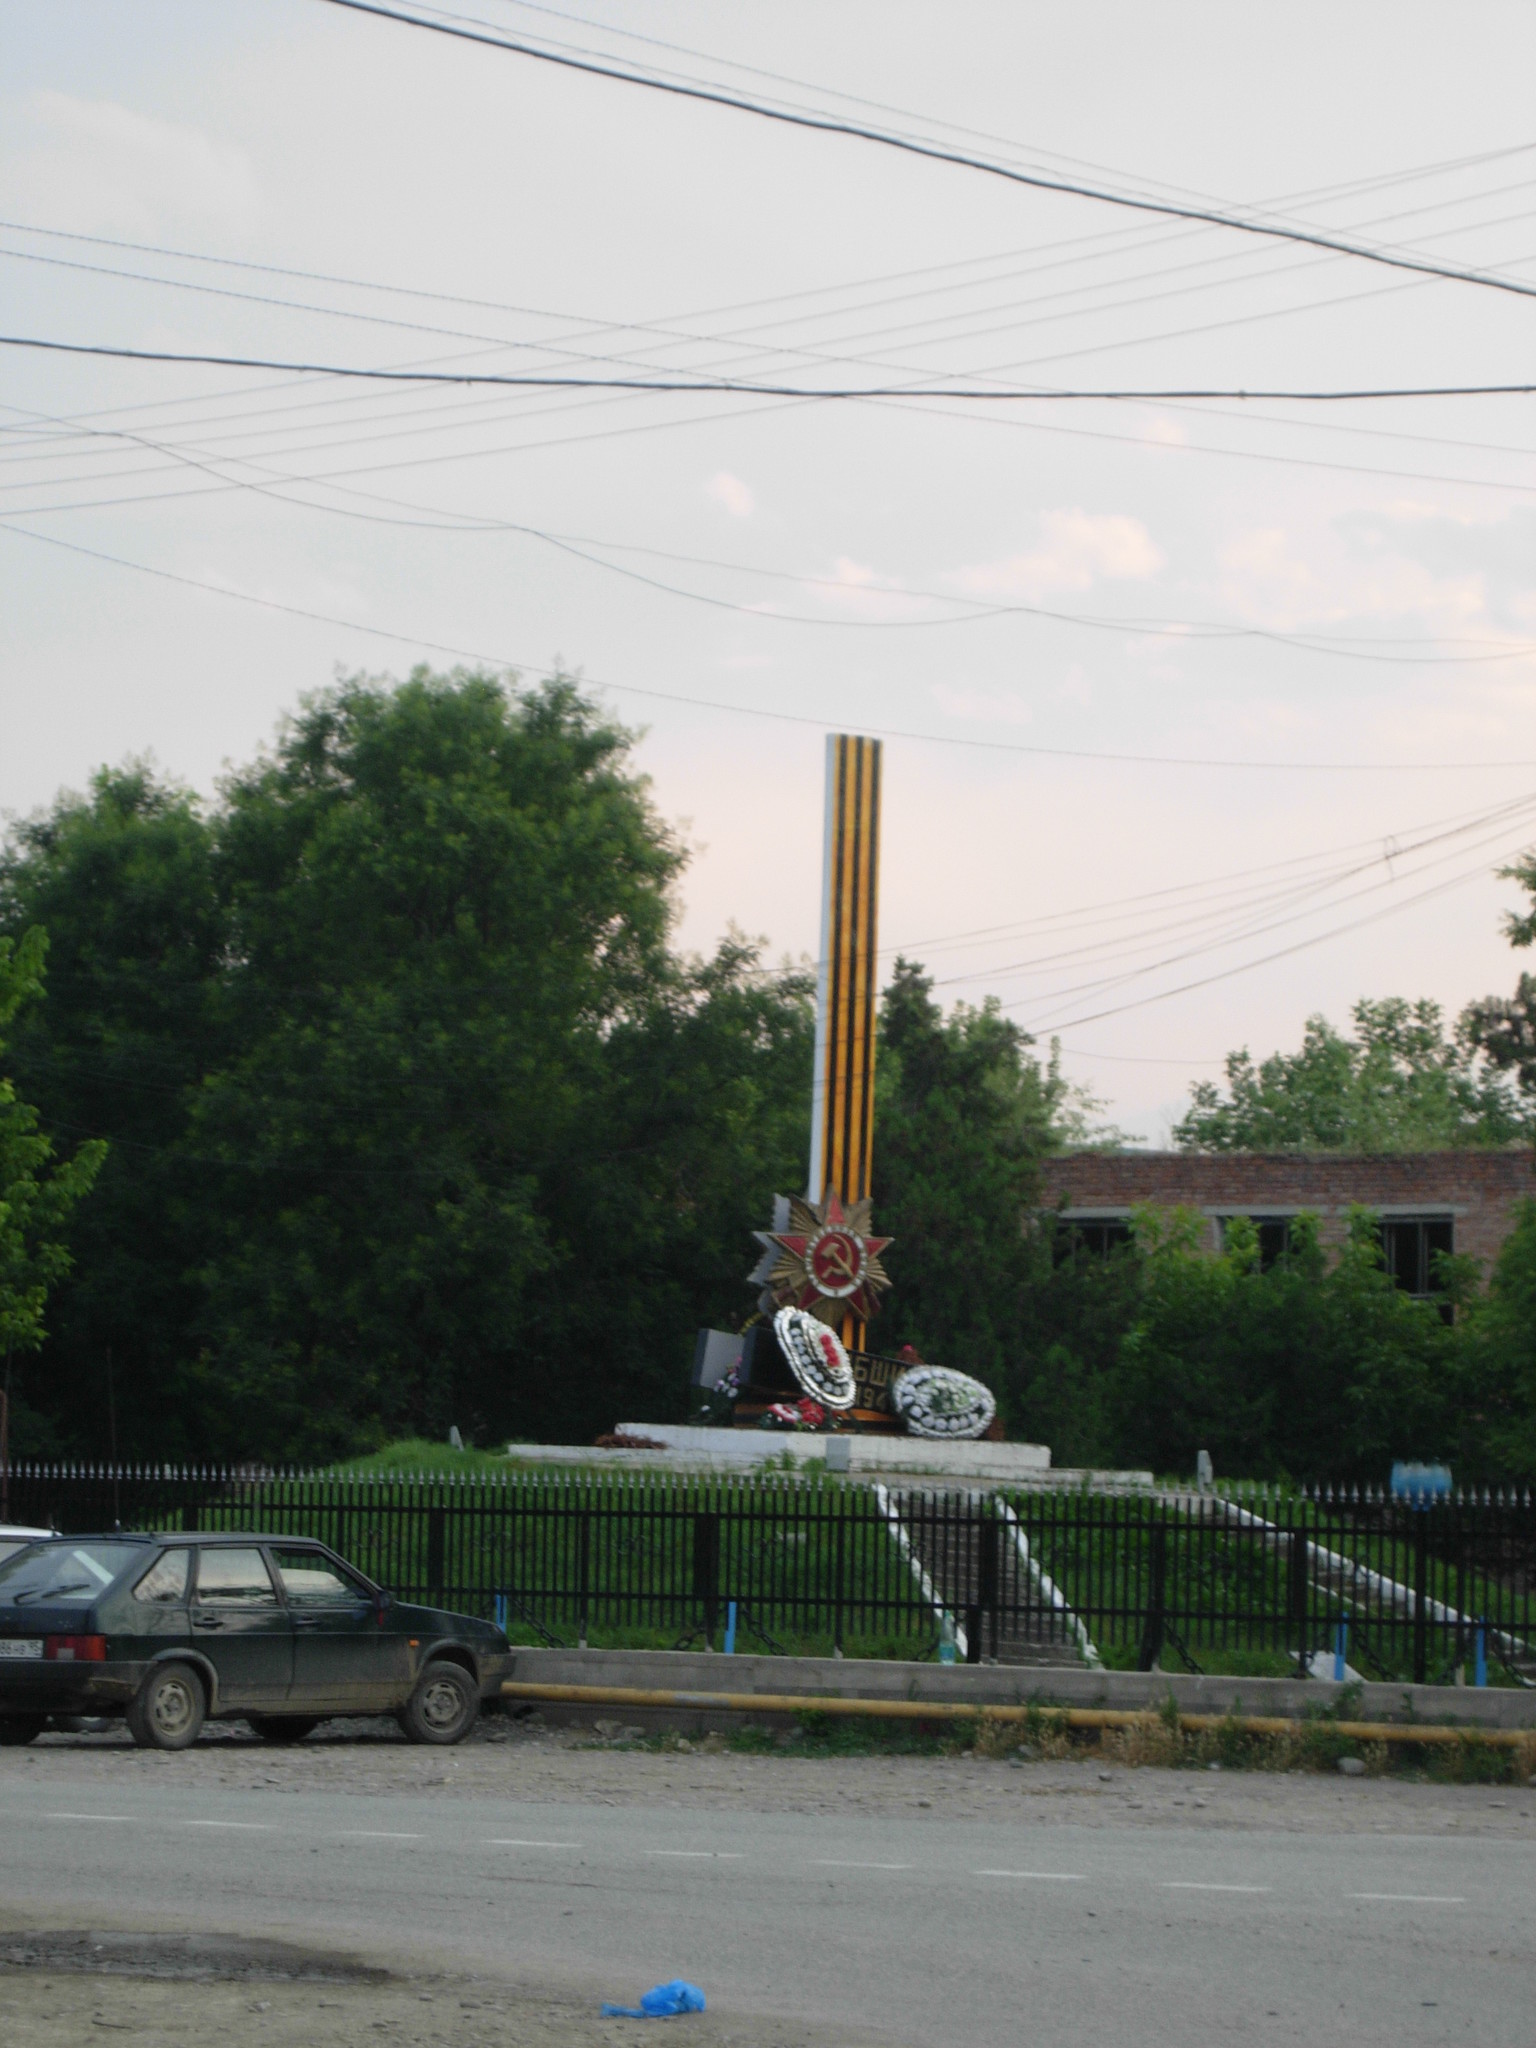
14 1537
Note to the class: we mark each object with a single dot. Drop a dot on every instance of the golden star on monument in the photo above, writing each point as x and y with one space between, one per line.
828 1261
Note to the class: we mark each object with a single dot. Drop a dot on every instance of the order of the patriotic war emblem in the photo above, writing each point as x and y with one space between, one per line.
827 1261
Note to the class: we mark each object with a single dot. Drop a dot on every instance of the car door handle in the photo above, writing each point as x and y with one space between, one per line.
306 1621
207 1621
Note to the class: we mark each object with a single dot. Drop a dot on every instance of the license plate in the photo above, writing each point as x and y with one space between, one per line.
21 1646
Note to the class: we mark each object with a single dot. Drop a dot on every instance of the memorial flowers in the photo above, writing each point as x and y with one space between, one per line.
934 1401
803 1414
816 1357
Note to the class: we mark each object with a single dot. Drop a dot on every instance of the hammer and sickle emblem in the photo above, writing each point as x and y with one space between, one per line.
834 1255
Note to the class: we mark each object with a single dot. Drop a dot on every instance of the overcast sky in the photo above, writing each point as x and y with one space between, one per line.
872 566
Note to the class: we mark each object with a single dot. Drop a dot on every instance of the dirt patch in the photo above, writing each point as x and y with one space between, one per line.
178 1958
63 2008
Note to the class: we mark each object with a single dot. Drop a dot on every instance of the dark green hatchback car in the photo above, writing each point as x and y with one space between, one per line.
276 1630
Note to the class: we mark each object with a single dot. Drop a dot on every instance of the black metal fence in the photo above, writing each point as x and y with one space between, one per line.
1244 1581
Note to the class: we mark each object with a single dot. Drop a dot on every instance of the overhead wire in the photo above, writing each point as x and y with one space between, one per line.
1283 953
733 387
506 662
1137 202
1225 925
1092 246
1262 454
1342 647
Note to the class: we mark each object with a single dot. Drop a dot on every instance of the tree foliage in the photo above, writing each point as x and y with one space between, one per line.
37 1190
1398 1085
418 1117
1318 1367
962 1118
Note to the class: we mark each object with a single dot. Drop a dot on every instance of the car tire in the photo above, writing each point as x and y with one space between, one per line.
16 1730
283 1727
168 1709
444 1706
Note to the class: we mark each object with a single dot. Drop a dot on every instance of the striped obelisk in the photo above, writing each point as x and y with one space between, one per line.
843 1094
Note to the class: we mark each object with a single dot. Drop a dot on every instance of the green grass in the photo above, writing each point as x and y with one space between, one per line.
420 1454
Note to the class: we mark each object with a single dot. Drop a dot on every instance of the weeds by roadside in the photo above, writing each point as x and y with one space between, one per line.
1157 1739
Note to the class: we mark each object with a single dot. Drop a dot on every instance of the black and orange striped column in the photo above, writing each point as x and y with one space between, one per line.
843 1096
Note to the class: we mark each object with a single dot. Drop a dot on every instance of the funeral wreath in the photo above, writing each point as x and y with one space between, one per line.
816 1357
934 1401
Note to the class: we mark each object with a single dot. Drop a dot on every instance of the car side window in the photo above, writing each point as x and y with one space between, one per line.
310 1579
234 1578
165 1583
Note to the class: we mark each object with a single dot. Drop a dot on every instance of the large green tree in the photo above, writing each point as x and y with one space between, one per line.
419 1117
121 880
38 1191
1399 1084
964 1115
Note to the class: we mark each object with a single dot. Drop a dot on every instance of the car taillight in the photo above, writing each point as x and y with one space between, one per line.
76 1649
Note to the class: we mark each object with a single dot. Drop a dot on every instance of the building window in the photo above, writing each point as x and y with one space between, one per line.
1091 1236
1274 1238
1410 1244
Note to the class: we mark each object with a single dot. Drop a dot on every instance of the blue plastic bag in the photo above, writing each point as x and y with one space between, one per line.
664 2002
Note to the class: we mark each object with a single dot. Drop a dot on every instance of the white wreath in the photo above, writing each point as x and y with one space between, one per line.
936 1402
816 1357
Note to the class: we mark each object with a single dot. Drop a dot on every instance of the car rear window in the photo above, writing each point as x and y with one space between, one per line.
63 1572
165 1583
234 1578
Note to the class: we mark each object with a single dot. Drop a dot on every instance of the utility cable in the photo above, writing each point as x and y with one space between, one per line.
911 146
973 611
510 664
1267 959
716 386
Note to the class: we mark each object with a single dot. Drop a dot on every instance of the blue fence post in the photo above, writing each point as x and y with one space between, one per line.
1480 1653
1340 1648
730 1628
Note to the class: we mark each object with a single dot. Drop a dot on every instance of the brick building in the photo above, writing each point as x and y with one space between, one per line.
1427 1201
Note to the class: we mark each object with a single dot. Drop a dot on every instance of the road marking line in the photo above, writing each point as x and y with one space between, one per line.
377 1835
1409 1898
838 1863
714 1855
261 1826
515 1842
1185 1885
1045 1876
88 1816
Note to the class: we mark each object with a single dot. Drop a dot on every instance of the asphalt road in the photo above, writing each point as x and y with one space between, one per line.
921 1930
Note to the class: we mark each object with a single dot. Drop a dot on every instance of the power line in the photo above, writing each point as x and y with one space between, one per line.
911 146
739 388
510 663
1267 959
1445 165
975 611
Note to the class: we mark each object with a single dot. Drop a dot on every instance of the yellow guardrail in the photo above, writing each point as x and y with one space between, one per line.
951 1710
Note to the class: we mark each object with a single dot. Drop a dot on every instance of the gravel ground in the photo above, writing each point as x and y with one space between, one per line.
62 2010
527 1760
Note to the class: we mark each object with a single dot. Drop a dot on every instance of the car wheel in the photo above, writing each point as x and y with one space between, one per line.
283 1727
18 1729
444 1706
167 1710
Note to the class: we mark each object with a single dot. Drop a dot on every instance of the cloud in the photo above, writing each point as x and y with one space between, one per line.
732 493
1400 573
1076 549
102 166
854 590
